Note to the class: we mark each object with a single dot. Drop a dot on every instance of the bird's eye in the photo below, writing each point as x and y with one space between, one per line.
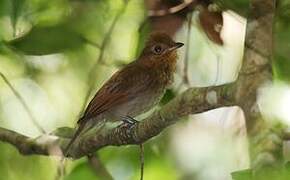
157 49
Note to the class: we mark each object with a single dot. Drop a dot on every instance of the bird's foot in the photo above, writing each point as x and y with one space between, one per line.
129 120
129 123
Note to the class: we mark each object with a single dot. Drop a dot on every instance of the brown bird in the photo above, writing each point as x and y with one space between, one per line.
136 88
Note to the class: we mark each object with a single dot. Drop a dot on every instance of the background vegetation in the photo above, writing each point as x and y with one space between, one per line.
57 53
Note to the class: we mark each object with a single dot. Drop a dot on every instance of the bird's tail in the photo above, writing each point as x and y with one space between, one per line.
84 126
75 136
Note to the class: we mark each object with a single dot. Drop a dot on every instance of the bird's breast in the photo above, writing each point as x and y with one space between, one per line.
139 104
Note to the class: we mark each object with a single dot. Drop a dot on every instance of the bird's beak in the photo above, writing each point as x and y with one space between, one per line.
176 46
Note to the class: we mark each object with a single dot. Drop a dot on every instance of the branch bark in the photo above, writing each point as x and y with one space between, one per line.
256 71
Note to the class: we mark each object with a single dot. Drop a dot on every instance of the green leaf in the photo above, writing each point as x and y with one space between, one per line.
64 132
281 68
242 175
48 40
287 169
169 95
16 9
280 172
4 7
82 171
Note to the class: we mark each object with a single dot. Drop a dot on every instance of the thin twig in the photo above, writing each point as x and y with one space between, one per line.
186 58
141 161
98 167
218 69
23 103
60 171
92 43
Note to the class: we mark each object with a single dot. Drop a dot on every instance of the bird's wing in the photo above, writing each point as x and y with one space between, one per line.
123 86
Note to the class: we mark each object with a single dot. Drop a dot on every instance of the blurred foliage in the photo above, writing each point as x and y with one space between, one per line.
49 40
66 33
14 166
269 173
124 161
281 32
282 46
82 171
47 49
239 6
243 174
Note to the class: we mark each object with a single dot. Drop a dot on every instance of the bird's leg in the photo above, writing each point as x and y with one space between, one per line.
129 123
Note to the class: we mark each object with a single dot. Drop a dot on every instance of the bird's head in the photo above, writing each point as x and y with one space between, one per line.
160 49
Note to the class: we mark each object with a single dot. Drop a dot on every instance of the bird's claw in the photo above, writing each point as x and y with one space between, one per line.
129 123
129 120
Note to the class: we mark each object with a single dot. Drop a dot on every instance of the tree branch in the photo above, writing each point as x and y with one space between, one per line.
190 102
256 72
185 78
24 144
